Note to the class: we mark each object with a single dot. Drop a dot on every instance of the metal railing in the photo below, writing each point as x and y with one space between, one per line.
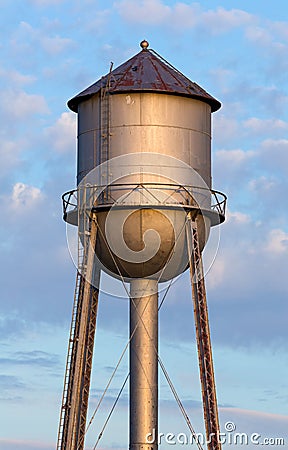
160 195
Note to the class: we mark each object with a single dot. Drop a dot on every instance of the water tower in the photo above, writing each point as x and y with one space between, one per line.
143 206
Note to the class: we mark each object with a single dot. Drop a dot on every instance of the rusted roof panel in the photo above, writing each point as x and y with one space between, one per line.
146 71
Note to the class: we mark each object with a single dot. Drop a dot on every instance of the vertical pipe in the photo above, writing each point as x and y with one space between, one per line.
143 365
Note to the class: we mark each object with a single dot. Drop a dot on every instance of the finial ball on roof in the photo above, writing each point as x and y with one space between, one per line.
144 44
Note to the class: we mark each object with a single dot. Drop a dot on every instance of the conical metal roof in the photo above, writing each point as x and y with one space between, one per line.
146 72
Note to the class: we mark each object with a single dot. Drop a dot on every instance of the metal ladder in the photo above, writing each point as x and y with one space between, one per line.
105 132
105 118
105 123
66 396
204 347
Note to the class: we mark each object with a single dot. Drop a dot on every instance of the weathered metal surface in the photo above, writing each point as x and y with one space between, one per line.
147 71
170 125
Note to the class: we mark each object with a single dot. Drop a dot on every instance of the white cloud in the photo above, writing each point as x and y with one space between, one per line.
248 421
259 414
270 39
185 14
226 129
56 45
216 274
277 242
14 444
63 133
145 11
26 37
273 35
259 35
274 154
19 104
16 78
24 196
237 217
46 2
222 20
260 126
98 23
9 155
281 29
261 97
234 157
181 15
221 76
274 144
262 184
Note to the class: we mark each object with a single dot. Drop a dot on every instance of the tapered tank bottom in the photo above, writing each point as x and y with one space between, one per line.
143 364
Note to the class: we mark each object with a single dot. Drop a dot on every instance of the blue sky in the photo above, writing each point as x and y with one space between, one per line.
238 51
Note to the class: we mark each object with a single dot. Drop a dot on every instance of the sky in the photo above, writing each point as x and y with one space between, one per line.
238 51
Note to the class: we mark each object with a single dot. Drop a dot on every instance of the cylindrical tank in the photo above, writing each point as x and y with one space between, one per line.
155 122
145 107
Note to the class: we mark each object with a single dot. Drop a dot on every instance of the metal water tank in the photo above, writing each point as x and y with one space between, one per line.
144 150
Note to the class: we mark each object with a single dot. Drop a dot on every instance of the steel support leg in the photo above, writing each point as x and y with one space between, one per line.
203 337
79 364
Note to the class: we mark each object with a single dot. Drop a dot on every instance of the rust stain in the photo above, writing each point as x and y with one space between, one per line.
147 71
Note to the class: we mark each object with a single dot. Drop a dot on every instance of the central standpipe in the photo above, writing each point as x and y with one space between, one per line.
143 364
